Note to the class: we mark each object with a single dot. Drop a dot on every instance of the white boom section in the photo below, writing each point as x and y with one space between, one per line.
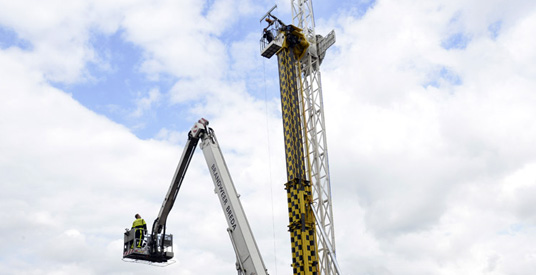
249 260
316 142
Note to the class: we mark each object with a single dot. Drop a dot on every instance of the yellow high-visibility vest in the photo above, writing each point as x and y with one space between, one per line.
138 223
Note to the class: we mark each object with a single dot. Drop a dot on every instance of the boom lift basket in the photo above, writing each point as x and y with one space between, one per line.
272 39
269 48
163 248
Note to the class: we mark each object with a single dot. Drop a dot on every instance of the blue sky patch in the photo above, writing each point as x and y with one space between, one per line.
443 76
450 76
494 29
116 86
355 8
9 38
456 41
513 229
359 9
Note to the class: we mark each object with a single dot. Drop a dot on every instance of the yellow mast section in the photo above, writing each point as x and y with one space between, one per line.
299 194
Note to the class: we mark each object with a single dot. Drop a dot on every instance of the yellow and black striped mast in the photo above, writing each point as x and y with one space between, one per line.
299 193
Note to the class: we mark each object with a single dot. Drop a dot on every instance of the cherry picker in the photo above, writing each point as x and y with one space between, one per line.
158 246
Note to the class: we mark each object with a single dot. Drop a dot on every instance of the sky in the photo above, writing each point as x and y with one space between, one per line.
429 109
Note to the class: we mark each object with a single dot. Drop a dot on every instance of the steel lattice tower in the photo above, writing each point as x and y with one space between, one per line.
315 132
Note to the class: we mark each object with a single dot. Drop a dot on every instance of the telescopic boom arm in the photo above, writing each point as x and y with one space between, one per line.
169 200
249 260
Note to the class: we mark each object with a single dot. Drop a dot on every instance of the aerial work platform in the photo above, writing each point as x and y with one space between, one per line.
163 248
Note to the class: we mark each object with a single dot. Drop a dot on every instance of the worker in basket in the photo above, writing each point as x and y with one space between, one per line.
141 227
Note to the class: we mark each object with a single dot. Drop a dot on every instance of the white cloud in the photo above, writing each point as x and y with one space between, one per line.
428 162
58 34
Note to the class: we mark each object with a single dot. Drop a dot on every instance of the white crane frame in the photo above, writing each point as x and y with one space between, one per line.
315 138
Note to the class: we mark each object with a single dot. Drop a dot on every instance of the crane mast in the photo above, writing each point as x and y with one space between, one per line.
304 128
299 194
